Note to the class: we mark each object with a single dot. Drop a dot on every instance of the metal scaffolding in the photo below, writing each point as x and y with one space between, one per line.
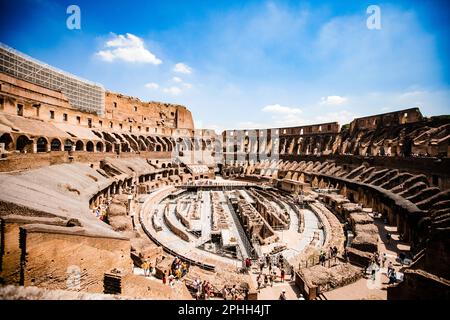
82 94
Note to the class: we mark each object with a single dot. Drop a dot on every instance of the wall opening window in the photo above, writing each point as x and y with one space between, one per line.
64 116
115 104
147 129
435 180
131 128
139 128
78 119
111 125
100 122
52 114
89 122
120 125
20 110
135 109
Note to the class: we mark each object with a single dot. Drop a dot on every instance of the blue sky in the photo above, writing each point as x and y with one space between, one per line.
249 64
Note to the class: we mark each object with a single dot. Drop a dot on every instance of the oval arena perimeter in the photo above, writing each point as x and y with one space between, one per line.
106 196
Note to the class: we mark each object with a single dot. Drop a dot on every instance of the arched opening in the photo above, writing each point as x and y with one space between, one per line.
158 148
68 145
41 144
109 147
163 165
89 146
55 145
23 144
7 140
79 145
99 146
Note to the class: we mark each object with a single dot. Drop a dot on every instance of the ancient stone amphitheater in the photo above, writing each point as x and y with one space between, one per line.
95 184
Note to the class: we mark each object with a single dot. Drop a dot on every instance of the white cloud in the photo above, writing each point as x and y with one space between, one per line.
182 68
187 85
276 108
177 79
332 100
129 48
173 90
152 85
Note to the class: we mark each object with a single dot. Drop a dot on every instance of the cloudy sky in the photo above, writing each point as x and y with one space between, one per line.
249 64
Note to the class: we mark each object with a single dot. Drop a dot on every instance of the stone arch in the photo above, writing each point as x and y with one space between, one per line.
7 140
42 144
109 147
55 145
23 143
89 146
99 146
68 144
79 146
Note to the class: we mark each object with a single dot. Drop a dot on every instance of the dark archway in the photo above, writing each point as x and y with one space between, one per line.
7 140
90 146
99 146
68 145
55 145
42 144
79 145
23 143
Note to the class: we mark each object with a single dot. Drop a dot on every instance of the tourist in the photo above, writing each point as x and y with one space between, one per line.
261 266
373 266
233 291
266 281
292 273
383 259
247 264
388 238
171 280
144 266
271 279
282 275
267 259
392 277
224 292
259 280
164 279
282 295
390 269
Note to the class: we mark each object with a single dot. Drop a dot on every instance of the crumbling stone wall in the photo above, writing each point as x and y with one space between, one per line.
50 254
